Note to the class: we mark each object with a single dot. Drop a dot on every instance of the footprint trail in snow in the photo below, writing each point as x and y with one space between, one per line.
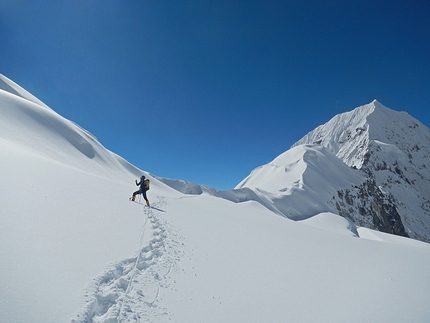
130 291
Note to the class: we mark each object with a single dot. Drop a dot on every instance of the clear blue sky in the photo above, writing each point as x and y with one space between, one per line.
208 90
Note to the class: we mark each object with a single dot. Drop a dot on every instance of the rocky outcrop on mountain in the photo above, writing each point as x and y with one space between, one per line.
367 206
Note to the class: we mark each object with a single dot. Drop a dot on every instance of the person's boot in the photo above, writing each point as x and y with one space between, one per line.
147 202
133 198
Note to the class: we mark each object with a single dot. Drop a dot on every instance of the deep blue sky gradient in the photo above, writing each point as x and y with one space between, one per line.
208 90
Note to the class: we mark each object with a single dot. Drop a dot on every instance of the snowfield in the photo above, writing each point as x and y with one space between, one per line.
73 248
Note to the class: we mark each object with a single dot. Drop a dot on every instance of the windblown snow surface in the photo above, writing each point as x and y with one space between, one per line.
74 249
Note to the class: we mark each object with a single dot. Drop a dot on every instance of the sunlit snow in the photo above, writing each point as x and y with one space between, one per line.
73 248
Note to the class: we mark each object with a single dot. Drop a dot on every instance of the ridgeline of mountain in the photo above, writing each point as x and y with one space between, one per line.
368 165
50 135
387 152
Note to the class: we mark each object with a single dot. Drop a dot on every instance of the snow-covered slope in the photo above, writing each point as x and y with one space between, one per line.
300 181
74 249
37 128
63 209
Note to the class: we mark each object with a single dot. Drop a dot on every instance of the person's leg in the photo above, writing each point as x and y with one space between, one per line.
134 195
144 196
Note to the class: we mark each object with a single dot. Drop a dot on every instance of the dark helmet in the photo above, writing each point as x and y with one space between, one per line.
142 177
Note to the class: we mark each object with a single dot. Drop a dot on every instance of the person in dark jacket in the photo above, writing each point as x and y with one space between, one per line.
144 186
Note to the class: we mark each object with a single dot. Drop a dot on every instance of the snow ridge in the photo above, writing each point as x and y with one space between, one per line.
129 290
11 87
47 133
301 181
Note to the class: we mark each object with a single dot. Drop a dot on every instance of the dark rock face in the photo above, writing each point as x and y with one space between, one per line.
367 206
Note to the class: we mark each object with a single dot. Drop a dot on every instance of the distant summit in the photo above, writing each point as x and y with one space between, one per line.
392 149
348 135
388 177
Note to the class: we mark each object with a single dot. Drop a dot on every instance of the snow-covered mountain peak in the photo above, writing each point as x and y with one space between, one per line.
378 104
392 148
368 165
348 135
